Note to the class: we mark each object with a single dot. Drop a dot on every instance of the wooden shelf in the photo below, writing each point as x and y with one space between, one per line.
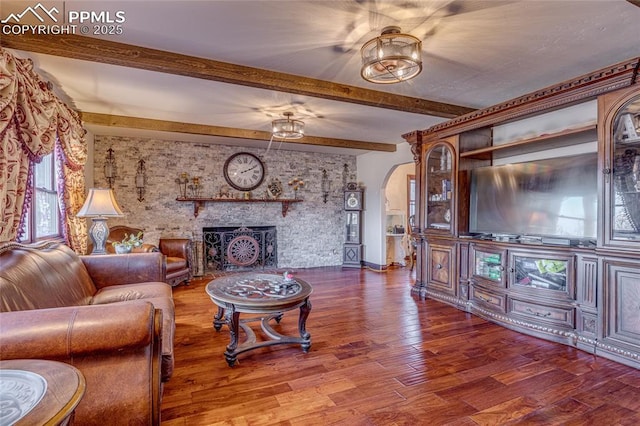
547 141
198 203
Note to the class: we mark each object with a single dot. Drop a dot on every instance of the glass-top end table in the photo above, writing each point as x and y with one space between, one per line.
267 295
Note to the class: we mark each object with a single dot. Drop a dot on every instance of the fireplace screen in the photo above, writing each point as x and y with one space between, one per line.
229 248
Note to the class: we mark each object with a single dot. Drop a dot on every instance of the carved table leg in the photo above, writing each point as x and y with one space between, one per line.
217 319
305 309
233 321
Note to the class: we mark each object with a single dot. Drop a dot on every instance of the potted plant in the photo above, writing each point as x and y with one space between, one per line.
128 243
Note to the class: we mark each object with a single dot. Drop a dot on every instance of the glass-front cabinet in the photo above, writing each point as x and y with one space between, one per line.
624 202
439 187
488 265
550 275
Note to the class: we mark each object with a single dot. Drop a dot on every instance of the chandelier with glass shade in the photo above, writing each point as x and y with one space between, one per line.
287 128
392 57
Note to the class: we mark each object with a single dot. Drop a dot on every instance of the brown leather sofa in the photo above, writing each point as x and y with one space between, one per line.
110 316
177 251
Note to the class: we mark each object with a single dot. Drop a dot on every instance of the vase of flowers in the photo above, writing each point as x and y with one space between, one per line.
128 243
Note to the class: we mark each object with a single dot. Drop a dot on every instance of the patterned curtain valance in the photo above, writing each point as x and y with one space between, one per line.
34 122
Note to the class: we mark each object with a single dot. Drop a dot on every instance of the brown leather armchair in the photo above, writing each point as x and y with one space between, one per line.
177 253
179 259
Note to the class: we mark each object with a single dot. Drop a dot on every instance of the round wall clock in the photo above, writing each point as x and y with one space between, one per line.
244 171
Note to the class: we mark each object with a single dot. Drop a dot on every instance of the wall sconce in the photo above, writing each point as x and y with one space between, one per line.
345 176
110 168
141 179
325 186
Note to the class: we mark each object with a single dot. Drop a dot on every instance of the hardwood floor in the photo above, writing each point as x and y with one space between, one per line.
381 356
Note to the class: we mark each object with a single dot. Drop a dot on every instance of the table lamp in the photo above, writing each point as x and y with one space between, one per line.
100 205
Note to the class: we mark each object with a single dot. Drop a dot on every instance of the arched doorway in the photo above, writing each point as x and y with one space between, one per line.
399 204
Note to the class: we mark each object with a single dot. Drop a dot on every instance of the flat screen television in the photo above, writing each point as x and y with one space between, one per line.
555 197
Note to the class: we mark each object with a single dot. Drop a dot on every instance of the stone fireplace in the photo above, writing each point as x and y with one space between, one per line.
245 248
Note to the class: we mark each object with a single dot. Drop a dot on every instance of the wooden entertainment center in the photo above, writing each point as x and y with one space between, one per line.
580 288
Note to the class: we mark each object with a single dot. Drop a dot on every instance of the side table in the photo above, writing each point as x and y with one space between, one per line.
39 392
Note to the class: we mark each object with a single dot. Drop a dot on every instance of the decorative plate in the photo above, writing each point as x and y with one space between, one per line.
20 391
274 189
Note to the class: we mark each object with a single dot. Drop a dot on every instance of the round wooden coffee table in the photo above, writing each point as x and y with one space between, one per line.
267 295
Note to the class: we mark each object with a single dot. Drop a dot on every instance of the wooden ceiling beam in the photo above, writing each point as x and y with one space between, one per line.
114 53
227 132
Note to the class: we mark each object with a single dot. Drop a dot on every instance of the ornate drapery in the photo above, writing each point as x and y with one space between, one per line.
33 123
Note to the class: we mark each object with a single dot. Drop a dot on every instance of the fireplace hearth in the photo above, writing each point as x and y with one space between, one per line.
245 248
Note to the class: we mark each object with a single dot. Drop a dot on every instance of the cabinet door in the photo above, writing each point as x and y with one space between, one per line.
622 301
439 188
488 265
544 274
622 172
440 264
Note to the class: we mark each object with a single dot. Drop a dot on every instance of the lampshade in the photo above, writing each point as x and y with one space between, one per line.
392 57
100 203
287 128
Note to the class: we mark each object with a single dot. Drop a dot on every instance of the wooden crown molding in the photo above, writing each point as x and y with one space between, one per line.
229 132
109 52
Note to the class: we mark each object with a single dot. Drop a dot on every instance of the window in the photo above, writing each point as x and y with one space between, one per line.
43 218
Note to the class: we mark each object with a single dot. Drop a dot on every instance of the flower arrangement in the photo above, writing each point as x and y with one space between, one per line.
296 183
128 243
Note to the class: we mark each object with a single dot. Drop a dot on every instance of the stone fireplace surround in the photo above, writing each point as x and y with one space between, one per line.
239 248
311 235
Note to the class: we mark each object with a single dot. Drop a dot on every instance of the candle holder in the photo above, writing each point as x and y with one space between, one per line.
110 169
182 182
296 183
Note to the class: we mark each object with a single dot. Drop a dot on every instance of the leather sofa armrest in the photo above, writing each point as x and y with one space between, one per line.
175 247
108 270
67 332
117 347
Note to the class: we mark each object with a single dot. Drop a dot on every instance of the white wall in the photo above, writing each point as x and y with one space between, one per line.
396 188
373 171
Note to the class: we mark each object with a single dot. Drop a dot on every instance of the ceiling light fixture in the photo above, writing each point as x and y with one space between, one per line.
287 128
392 57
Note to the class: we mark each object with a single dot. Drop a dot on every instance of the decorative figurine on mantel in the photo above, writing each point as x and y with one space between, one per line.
225 192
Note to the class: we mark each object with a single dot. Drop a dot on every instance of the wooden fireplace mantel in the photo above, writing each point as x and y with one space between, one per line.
198 203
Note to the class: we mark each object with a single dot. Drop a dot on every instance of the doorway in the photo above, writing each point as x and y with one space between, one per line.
399 207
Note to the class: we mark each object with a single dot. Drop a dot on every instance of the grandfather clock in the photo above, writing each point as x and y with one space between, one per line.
352 254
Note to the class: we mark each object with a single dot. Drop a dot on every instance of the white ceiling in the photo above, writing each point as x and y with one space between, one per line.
476 54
